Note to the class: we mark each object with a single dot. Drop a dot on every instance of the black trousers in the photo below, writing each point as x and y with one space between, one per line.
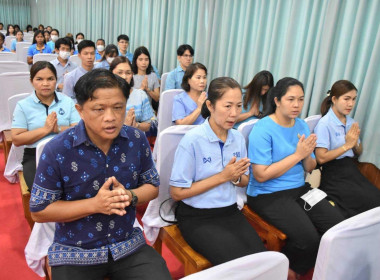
145 263
285 211
29 166
219 234
348 188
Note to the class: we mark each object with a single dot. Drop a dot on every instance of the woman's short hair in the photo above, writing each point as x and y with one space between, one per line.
98 78
40 65
117 61
190 71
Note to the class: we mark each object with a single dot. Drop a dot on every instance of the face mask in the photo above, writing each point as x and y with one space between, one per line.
79 40
64 55
100 48
54 38
110 59
312 197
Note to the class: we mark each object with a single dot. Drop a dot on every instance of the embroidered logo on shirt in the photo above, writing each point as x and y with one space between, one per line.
61 111
237 154
205 160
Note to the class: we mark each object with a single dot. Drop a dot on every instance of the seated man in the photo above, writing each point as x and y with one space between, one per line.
185 55
86 49
89 180
62 63
123 44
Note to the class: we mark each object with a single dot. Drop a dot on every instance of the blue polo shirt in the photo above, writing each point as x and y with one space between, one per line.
174 78
269 143
139 100
200 155
13 45
73 168
97 55
183 106
71 79
6 49
102 65
331 133
51 45
63 70
33 50
127 55
31 114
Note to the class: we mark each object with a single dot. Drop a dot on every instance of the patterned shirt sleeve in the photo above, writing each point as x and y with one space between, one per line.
148 174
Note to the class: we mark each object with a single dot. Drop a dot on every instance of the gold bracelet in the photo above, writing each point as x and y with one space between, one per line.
344 148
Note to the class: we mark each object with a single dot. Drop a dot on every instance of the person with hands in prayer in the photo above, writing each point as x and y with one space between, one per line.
89 180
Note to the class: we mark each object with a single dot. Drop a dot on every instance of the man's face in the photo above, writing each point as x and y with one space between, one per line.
87 55
103 115
123 45
185 60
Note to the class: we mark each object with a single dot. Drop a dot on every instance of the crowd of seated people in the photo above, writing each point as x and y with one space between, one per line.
211 160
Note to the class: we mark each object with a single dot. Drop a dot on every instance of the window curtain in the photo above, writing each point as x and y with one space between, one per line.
15 12
315 41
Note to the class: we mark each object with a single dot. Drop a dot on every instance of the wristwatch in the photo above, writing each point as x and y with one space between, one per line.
134 199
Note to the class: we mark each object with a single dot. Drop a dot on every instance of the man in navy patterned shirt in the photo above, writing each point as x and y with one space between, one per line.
89 180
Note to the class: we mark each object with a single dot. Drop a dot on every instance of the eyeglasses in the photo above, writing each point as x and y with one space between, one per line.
188 56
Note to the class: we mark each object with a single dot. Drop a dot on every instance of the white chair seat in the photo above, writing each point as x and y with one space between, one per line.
44 57
20 53
8 56
163 82
8 41
75 58
13 66
312 122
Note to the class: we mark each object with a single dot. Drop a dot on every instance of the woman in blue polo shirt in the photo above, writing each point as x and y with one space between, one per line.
281 150
38 46
209 162
187 105
139 111
42 114
109 55
19 38
337 145
2 47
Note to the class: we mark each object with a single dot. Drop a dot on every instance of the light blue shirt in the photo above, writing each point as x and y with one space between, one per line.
6 49
127 55
269 143
183 106
51 45
140 102
174 79
97 55
71 79
102 64
199 156
331 133
33 50
13 45
62 70
31 114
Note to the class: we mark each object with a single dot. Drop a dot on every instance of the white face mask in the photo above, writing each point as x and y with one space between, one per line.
79 40
54 38
64 55
100 48
110 59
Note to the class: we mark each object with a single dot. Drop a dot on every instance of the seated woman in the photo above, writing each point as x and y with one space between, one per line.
38 46
338 143
19 38
209 162
10 30
100 47
254 98
109 55
44 113
139 111
281 150
144 77
2 47
187 105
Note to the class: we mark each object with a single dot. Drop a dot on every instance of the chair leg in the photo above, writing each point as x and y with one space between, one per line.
158 246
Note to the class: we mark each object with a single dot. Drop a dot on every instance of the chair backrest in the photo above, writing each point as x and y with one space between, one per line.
22 55
351 249
19 50
168 141
44 57
312 122
8 41
75 58
8 56
40 147
12 102
259 266
163 81
165 109
245 129
13 66
11 84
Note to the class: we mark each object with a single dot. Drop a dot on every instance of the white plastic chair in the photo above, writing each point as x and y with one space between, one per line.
163 82
259 266
169 140
13 66
22 55
75 58
351 249
44 57
8 56
312 122
11 84
19 50
165 109
8 41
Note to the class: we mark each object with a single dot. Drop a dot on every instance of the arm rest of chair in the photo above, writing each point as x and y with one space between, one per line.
274 238
25 196
371 172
